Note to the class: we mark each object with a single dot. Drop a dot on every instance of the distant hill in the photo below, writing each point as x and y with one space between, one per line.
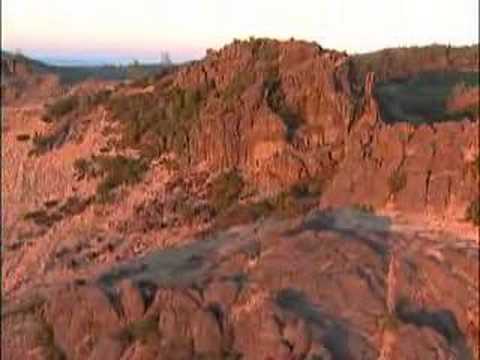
77 73
421 84
398 63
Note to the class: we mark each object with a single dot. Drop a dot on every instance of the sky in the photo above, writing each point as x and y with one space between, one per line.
123 30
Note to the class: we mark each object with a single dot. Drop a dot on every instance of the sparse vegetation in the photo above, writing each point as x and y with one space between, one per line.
473 212
61 107
365 208
115 171
472 168
389 322
240 82
48 217
28 306
85 169
74 206
118 170
44 332
43 143
476 163
157 124
46 339
286 204
43 218
171 164
397 181
70 103
276 102
143 330
310 187
298 199
225 190
91 100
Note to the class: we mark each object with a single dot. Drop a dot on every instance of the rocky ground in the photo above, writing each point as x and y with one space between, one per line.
273 216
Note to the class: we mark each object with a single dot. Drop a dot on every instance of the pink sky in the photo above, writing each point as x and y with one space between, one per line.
143 28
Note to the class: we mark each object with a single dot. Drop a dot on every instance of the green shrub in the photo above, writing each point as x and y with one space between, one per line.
298 199
37 214
43 143
74 206
397 181
473 212
365 208
225 190
87 168
156 123
389 322
285 204
308 188
43 218
118 170
82 167
45 337
61 107
277 103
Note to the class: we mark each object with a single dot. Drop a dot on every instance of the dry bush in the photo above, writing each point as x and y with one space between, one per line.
473 212
365 208
157 123
397 181
61 107
118 170
225 190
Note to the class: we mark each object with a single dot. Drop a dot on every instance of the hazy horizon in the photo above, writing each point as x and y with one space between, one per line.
96 33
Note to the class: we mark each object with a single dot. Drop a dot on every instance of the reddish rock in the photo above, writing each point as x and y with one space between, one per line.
133 304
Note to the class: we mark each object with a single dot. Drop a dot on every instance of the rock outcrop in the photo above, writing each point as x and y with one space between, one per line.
357 289
295 114
114 248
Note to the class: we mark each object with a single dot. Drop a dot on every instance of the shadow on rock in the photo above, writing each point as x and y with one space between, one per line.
334 333
442 321
366 227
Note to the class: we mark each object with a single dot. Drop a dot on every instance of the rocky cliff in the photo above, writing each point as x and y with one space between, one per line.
289 112
252 205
